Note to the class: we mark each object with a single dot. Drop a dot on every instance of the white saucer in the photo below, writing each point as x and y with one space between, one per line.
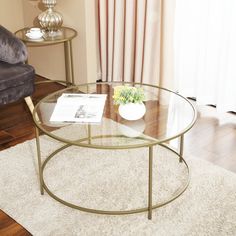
34 36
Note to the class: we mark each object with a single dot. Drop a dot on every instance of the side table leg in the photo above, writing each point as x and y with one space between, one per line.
39 161
181 148
89 134
69 62
150 183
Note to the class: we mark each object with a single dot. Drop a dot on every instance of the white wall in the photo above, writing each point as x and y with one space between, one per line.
167 41
11 14
92 52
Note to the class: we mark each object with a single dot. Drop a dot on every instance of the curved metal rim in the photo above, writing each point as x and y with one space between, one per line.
53 81
154 141
117 212
44 43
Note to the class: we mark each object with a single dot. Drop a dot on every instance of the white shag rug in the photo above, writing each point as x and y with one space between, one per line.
113 180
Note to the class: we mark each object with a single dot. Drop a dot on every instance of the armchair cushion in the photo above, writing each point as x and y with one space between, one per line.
16 82
12 50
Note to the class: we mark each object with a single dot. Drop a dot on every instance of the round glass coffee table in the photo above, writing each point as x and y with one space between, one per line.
168 117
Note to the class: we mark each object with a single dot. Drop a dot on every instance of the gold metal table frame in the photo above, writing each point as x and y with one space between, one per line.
80 142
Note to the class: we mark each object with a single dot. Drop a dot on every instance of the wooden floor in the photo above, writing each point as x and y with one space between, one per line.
213 138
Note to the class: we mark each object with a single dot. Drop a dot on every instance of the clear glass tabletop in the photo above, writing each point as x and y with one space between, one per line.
63 35
168 116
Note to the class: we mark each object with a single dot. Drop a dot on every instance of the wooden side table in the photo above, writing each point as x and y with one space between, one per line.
66 35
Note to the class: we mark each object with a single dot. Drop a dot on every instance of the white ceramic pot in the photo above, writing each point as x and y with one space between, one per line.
132 111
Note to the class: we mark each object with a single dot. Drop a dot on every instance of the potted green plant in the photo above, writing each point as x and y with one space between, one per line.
130 101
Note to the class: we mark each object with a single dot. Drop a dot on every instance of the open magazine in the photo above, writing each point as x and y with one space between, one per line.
81 108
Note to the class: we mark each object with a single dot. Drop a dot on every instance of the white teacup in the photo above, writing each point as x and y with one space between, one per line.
35 31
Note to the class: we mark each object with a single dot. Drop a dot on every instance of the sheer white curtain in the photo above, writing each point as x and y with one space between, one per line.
129 40
205 51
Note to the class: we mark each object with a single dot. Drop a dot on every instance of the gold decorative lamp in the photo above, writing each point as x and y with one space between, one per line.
50 20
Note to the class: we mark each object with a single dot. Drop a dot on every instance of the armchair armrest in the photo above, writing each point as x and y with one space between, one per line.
12 49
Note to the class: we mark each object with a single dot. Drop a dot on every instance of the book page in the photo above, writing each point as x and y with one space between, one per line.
81 108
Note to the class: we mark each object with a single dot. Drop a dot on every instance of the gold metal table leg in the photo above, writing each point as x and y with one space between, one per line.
69 62
39 161
181 148
150 183
89 134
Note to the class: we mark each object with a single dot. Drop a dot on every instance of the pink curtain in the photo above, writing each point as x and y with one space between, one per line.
129 40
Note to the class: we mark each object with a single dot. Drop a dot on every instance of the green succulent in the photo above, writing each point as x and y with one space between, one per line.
128 94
